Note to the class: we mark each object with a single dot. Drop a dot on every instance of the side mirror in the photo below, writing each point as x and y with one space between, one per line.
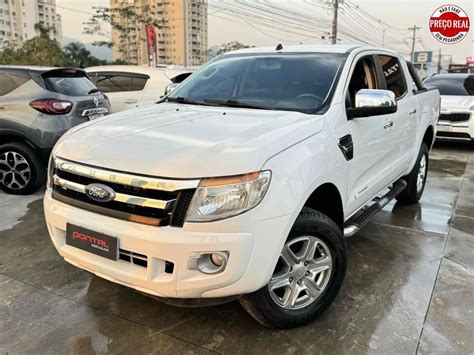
170 87
373 102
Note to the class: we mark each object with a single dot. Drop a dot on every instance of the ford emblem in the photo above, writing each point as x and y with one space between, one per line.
99 193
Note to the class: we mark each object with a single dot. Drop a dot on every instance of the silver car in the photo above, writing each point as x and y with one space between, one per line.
37 106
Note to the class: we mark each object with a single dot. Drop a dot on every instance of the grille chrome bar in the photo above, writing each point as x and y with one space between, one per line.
124 178
119 197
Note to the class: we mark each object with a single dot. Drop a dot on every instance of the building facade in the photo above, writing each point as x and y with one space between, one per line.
18 19
180 27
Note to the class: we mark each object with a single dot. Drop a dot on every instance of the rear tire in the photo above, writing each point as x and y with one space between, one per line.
416 180
317 274
21 171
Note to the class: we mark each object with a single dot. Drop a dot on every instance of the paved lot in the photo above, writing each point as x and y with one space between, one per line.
409 288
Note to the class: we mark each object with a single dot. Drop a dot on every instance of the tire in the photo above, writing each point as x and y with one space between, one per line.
21 171
414 191
267 307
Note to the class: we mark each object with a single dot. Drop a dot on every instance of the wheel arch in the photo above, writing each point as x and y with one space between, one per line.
428 137
327 199
10 136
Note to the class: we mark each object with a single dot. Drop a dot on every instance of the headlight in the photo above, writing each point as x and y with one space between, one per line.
219 198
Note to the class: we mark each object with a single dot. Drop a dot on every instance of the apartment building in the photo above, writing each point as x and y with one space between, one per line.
18 19
48 16
180 27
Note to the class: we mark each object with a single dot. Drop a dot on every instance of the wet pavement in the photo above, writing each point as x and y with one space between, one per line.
409 288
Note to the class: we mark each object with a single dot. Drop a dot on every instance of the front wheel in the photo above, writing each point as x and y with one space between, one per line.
307 277
416 180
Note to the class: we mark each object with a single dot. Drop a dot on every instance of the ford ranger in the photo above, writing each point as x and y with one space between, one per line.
243 182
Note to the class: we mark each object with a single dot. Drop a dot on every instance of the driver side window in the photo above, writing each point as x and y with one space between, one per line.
363 77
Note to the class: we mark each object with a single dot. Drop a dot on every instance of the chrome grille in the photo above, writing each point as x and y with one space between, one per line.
142 199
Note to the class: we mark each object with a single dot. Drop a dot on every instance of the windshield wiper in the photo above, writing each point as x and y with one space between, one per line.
235 103
93 91
183 100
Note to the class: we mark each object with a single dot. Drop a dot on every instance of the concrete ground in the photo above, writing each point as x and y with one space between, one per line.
409 288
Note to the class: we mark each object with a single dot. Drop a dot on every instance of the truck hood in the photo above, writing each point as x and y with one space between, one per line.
456 102
186 141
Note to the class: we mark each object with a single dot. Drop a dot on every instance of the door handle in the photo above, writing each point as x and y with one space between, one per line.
388 125
411 113
131 101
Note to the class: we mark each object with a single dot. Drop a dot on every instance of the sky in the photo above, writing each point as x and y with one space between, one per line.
225 27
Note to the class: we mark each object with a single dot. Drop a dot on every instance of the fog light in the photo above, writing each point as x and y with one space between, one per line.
210 263
217 259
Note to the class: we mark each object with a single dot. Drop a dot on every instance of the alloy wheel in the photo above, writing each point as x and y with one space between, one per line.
15 171
302 273
420 180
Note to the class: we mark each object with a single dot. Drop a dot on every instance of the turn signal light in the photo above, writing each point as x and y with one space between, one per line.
52 106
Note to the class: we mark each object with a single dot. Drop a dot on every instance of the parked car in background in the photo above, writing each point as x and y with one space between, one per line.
129 86
38 105
456 120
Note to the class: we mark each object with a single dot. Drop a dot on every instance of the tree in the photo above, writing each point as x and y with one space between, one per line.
232 46
126 21
44 31
78 56
36 51
40 50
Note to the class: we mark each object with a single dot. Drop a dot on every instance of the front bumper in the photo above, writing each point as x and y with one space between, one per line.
247 269
459 131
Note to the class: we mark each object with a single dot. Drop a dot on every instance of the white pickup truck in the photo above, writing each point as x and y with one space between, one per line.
244 181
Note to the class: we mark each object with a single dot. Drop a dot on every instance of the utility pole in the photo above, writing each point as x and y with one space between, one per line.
439 61
335 4
414 29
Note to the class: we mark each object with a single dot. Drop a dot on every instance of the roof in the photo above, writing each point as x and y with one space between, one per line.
27 67
138 69
37 68
310 48
450 76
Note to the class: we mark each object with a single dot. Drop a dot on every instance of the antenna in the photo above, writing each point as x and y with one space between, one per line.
279 47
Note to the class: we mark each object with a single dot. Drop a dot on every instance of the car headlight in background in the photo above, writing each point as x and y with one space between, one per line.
219 198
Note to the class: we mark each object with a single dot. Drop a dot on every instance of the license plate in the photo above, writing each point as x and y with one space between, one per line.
445 128
96 116
92 242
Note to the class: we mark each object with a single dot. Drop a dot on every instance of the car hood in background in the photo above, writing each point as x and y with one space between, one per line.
186 141
456 102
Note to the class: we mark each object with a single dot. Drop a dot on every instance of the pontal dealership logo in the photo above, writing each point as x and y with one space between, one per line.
99 193
449 24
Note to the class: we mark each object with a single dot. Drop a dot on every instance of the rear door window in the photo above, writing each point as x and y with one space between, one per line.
111 82
393 74
10 82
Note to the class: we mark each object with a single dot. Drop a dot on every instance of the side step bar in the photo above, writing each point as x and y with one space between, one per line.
360 219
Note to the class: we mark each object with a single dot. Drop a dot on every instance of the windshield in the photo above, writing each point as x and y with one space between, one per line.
293 82
452 86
